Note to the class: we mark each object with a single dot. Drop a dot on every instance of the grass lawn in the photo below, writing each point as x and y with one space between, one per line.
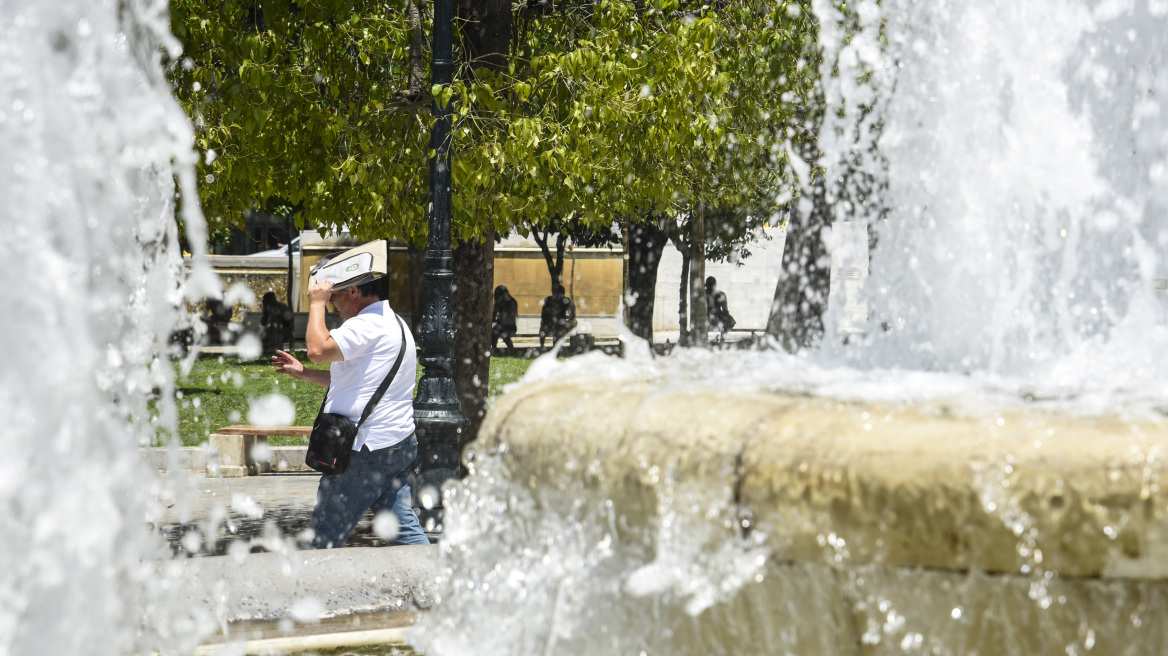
217 391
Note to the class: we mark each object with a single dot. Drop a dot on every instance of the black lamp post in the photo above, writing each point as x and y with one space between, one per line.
437 411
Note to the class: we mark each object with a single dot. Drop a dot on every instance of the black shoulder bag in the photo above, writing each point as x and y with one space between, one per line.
333 434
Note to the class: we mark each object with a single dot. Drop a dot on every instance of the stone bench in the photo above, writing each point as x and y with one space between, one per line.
243 450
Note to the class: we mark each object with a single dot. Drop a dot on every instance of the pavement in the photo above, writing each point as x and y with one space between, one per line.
240 543
213 516
249 593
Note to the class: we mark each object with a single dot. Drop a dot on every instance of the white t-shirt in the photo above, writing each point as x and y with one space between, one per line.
370 342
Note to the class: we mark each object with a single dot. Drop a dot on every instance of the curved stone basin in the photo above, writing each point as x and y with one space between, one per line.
1023 531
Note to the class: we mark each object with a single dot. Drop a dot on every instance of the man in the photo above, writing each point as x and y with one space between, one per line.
558 315
503 318
362 352
276 321
217 318
716 310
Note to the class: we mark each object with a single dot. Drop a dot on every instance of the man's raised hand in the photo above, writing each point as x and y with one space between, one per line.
285 363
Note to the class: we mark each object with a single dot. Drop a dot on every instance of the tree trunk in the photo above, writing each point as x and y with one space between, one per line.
417 259
486 34
625 288
800 301
699 317
683 288
555 264
474 272
486 41
558 275
646 242
417 69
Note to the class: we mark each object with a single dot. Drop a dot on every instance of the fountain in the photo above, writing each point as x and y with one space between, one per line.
979 472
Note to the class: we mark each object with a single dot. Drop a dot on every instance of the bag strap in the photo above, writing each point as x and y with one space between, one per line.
381 389
384 387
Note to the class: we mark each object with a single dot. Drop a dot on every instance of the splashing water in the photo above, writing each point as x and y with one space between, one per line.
90 144
1011 158
1012 161
561 569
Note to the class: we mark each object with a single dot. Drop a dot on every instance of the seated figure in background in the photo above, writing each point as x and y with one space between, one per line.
716 309
503 317
217 317
276 321
558 315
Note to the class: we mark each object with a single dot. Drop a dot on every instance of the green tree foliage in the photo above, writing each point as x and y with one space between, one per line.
658 107
600 109
605 109
309 103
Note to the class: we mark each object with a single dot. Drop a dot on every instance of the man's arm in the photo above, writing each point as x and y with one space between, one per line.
321 345
285 363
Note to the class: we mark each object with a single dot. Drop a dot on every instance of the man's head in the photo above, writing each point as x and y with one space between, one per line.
558 290
500 292
269 298
351 300
711 283
372 288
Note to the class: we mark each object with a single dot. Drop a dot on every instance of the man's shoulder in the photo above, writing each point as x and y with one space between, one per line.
375 312
377 321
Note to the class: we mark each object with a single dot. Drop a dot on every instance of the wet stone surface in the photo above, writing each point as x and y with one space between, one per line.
248 515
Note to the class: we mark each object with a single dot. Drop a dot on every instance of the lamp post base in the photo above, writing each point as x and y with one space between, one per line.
441 436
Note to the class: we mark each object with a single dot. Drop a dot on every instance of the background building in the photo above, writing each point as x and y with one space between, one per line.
593 278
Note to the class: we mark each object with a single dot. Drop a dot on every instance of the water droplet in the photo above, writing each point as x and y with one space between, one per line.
307 610
271 410
429 497
386 526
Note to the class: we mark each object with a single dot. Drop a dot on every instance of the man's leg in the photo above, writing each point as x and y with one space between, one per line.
341 499
398 497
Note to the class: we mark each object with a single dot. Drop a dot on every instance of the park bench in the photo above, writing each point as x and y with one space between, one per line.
243 450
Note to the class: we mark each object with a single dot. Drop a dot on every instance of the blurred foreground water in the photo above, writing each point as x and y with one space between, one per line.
91 145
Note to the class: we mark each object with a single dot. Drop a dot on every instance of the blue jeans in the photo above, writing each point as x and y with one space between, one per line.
376 480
